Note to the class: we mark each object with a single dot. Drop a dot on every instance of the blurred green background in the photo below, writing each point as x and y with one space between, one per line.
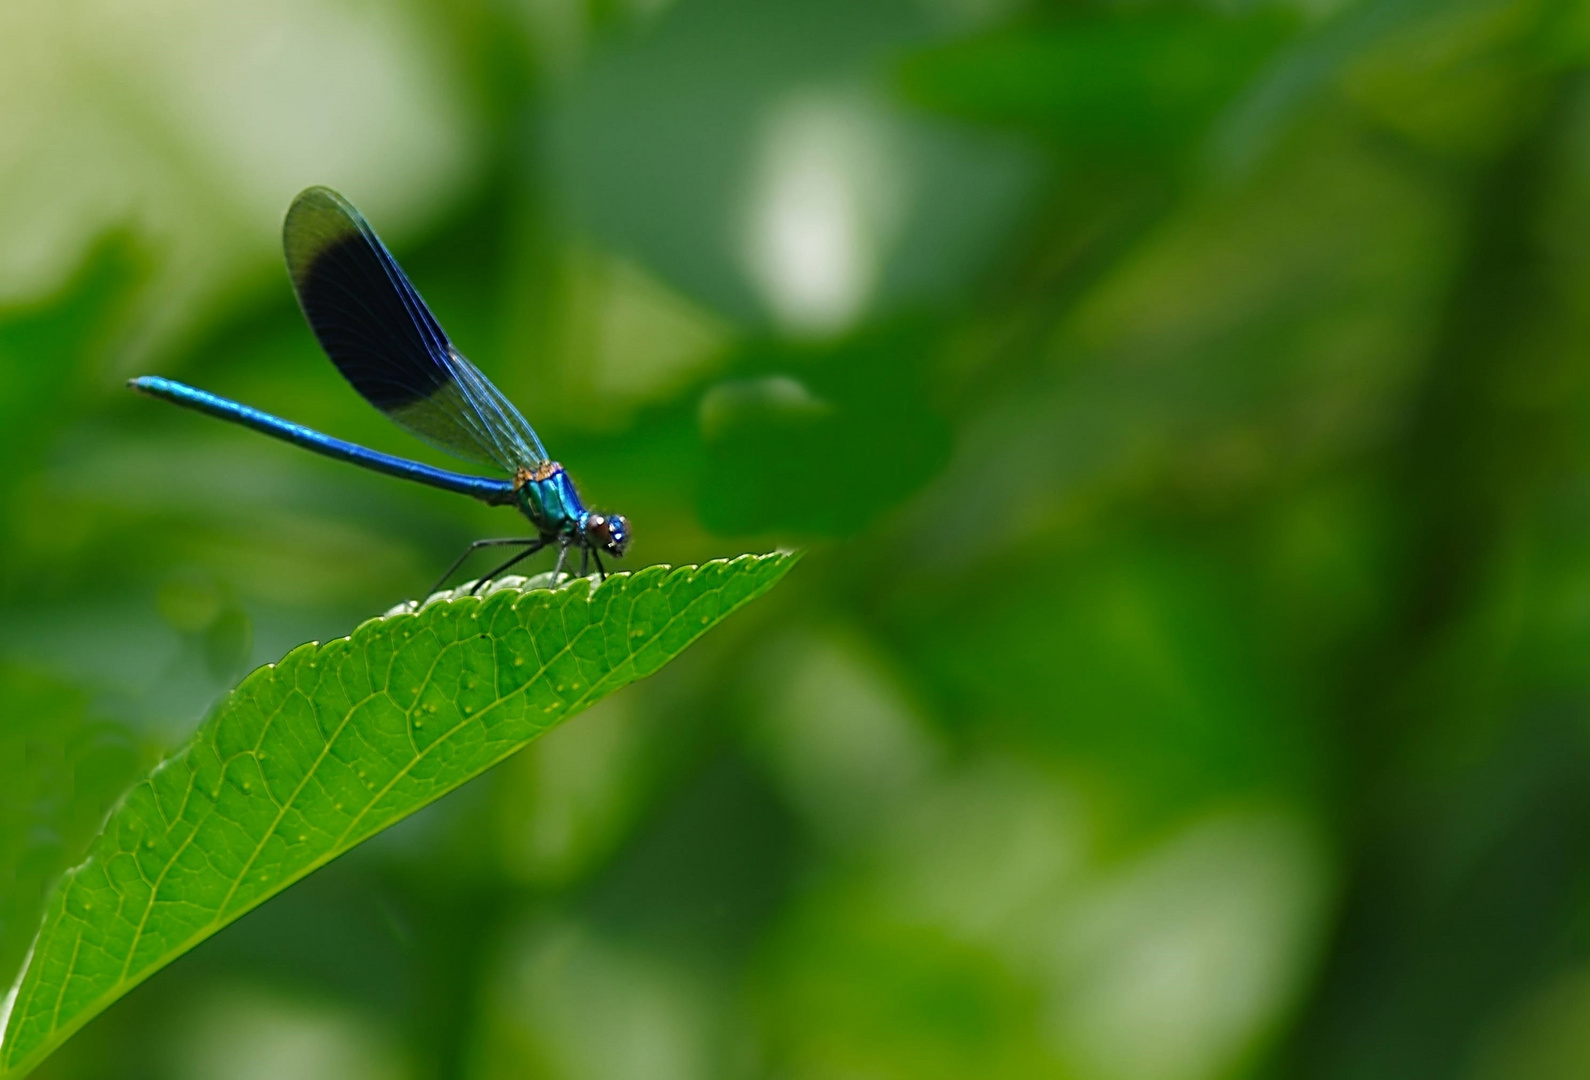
1187 410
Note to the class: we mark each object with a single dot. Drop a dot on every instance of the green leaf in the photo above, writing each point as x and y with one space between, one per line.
820 439
1134 82
60 772
309 757
47 347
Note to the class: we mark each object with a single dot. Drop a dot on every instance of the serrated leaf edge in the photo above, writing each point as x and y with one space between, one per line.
429 607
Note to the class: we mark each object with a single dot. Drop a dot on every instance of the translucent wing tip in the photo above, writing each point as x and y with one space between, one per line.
317 219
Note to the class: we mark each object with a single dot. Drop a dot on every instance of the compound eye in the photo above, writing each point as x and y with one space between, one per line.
616 535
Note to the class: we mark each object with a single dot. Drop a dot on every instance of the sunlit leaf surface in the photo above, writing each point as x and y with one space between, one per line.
310 756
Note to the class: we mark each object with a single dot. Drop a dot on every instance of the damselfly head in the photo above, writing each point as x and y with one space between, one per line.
610 532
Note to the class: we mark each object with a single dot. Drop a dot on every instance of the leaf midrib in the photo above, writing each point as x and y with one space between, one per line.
419 756
634 644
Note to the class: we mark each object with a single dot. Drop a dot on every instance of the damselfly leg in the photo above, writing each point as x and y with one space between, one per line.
476 546
535 546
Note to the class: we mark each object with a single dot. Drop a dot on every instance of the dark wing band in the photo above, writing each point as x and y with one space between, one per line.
385 341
